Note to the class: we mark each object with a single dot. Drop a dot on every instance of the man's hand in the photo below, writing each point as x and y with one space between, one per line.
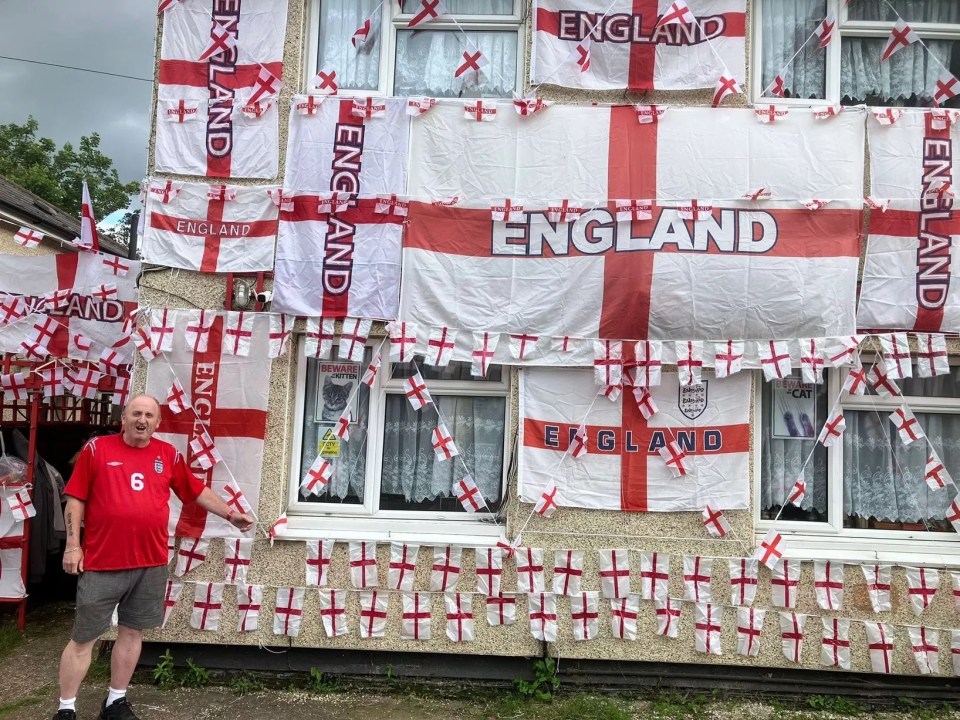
241 521
73 561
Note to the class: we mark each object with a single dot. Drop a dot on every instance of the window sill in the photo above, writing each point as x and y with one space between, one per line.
907 548
423 532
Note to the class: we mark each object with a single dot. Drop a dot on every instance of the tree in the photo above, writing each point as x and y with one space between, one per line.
57 176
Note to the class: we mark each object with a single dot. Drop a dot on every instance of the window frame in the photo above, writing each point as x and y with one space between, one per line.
391 20
309 520
830 540
845 26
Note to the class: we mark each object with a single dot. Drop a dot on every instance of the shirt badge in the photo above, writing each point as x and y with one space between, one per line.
158 466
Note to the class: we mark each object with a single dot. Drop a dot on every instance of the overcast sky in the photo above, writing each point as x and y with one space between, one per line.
110 35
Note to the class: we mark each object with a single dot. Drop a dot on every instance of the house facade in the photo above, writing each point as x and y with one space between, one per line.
715 169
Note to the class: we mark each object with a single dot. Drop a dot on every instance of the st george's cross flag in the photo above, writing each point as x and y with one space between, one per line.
335 260
11 548
80 310
229 398
211 228
202 128
638 44
619 279
623 469
909 280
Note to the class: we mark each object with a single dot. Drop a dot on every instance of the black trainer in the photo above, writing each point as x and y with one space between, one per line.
65 715
120 709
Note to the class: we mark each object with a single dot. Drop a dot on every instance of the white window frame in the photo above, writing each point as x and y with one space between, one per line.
310 520
845 26
830 540
392 20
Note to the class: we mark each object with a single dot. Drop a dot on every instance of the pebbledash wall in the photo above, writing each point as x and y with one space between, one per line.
670 533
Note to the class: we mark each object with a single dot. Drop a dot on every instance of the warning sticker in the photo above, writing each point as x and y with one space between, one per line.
328 446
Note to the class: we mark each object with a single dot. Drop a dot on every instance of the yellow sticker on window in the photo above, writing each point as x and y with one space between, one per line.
329 445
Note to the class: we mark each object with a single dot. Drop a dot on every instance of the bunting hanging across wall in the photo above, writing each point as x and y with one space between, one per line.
221 65
645 45
662 273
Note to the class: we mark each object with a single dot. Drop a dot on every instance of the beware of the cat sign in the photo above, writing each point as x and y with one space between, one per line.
336 385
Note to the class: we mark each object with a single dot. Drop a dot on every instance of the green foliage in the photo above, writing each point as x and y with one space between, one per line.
835 705
545 682
10 639
320 683
57 175
675 705
164 675
591 707
195 676
245 683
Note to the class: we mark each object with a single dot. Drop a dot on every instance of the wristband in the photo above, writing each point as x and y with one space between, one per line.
70 550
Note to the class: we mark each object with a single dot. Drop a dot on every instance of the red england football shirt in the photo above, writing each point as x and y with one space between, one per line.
126 491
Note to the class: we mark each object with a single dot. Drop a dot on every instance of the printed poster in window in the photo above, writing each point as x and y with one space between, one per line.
336 388
794 410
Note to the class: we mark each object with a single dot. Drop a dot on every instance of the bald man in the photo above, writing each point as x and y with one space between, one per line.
120 489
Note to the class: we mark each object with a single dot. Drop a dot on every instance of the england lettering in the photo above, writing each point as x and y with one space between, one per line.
338 248
575 25
933 250
220 72
605 440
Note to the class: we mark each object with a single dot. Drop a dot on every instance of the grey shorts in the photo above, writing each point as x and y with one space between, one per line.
137 594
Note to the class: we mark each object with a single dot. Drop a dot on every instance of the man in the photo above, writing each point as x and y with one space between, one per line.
120 489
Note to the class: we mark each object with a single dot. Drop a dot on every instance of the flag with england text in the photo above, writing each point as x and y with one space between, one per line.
339 254
682 268
228 396
94 294
623 469
638 44
909 279
215 57
211 228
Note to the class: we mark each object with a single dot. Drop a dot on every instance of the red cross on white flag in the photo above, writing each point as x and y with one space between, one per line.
654 575
416 391
278 529
501 609
363 564
281 330
567 572
362 34
946 88
925 643
479 111
697 578
614 571
440 346
370 374
368 108
256 110
489 570
204 451
778 86
84 382
563 210
584 615
895 351
668 616
176 111
542 607
791 634
288 611
417 106
728 358
856 381
121 391
826 29
766 114
391 205
814 203
932 357
52 380
308 105
623 616
529 566
884 116
467 492
28 238
472 62
941 119
428 10
320 335
546 504
715 522
580 55
176 399
608 362
833 429
647 363
484 347
191 554
843 351
529 104
726 85
207 606
403 340
922 585
743 574
445 572
21 505
650 114
403 566
955 580
694 210
521 344
771 549
14 384
835 644
443 446
645 402
170 597
161 329
678 13
416 620
880 646
878 578
935 473
811 360
249 603
89 237
267 86
459 613
828 584
342 428
774 359
689 361
797 492
611 392
707 628
826 113
908 427
373 613
142 342
628 210
221 40
237 333
326 81
749 627
317 477
901 36
578 444
353 339
674 457
12 308
237 554
333 612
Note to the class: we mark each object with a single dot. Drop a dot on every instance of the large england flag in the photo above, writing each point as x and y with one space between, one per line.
626 48
94 294
214 57
686 258
623 469
912 270
211 228
228 397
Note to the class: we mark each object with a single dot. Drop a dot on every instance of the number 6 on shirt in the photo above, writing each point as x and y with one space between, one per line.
136 481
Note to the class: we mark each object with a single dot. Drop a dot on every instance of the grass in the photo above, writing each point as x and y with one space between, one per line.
678 705
38 696
10 639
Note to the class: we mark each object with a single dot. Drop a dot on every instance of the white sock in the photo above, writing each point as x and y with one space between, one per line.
68 703
114 695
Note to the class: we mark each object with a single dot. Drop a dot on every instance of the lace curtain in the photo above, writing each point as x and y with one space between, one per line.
410 467
426 59
910 72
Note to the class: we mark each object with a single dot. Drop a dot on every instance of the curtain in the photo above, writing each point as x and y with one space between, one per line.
785 25
911 71
427 59
410 467
913 11
339 19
